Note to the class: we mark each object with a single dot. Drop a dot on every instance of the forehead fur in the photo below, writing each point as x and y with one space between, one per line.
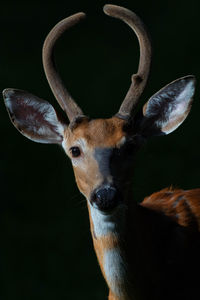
100 132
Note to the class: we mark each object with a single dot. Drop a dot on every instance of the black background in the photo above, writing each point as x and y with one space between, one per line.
45 246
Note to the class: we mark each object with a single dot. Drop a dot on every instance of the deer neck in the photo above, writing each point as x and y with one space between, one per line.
109 235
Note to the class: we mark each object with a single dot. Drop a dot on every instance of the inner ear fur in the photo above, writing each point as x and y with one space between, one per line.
34 117
167 109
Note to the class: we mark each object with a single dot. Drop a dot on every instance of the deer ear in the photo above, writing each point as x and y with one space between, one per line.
167 109
35 118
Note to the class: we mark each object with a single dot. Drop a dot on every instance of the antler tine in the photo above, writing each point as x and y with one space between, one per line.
60 92
139 80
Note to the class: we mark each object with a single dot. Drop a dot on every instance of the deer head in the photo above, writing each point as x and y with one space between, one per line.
101 150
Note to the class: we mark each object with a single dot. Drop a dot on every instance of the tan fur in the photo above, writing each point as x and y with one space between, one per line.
128 243
107 132
182 206
102 244
98 133
95 133
114 297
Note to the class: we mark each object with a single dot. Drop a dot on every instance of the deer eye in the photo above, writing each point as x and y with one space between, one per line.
75 151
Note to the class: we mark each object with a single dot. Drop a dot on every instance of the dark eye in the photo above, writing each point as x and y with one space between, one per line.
75 151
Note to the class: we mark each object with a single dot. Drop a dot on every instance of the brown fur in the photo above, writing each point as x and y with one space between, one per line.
153 264
113 297
102 244
107 133
182 206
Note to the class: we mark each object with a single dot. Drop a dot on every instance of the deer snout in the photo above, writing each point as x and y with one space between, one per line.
105 198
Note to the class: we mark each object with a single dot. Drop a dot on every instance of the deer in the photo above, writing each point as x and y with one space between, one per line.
147 250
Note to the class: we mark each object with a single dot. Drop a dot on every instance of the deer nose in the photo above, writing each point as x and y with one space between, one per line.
106 198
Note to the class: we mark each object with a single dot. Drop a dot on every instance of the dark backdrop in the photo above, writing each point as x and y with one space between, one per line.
45 246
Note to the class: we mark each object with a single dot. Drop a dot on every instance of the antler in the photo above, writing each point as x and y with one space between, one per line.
60 92
139 80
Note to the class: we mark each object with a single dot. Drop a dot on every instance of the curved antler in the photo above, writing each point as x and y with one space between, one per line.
139 80
60 92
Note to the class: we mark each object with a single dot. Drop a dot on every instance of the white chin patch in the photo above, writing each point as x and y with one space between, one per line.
108 223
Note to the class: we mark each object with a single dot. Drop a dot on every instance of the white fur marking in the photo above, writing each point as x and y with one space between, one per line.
121 142
108 223
182 102
77 161
114 269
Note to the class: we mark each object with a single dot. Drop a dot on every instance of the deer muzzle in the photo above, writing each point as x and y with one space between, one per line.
106 198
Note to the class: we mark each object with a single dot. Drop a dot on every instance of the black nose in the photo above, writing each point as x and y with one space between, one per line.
106 198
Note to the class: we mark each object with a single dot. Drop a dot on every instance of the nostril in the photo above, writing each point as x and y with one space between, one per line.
106 198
